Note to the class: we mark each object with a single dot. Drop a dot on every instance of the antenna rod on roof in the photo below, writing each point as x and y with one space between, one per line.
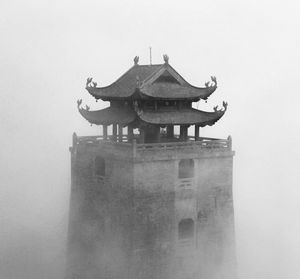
150 55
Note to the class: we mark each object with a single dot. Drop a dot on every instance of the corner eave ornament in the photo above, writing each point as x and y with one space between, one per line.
79 102
90 81
225 105
214 82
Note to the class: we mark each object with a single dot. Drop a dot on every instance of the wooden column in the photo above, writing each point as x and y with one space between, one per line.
186 132
183 132
130 133
120 136
142 135
115 128
170 131
196 132
157 132
181 136
104 127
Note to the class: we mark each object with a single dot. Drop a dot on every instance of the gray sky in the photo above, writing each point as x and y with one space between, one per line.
49 48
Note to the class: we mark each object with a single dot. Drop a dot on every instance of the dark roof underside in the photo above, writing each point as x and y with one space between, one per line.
184 117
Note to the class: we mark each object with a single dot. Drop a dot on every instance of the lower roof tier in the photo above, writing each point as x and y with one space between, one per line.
182 117
110 115
126 115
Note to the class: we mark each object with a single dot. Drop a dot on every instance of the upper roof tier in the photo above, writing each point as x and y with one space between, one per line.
151 81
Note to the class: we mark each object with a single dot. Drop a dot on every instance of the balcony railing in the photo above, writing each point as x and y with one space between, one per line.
203 143
207 143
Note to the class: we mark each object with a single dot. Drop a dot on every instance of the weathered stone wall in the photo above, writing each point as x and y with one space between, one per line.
125 224
215 218
100 215
206 198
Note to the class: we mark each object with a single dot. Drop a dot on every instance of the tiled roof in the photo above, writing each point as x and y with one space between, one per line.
109 116
184 117
126 85
175 91
154 81
125 116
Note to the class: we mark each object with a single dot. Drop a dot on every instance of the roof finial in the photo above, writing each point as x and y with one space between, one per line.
150 48
79 102
136 60
166 58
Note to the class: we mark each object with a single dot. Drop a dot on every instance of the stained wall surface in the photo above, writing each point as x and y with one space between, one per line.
141 220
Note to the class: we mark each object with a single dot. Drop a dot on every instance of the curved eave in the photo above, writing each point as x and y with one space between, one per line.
106 94
183 117
125 86
108 116
174 91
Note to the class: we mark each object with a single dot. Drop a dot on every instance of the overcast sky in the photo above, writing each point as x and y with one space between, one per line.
49 48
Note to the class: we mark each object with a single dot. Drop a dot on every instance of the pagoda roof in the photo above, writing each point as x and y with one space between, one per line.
159 81
108 116
185 117
127 115
125 86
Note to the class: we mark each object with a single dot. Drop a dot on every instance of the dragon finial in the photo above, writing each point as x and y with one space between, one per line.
87 107
214 80
88 81
79 102
225 105
166 58
94 84
136 60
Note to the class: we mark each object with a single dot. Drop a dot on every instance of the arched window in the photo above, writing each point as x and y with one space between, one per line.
99 166
186 228
186 168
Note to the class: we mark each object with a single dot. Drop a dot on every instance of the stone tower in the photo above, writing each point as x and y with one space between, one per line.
146 202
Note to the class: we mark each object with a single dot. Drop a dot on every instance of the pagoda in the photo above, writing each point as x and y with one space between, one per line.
153 99
148 199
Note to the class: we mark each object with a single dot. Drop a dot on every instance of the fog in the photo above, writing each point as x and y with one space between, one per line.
49 48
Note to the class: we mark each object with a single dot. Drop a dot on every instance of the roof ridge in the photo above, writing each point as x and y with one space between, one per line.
142 65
